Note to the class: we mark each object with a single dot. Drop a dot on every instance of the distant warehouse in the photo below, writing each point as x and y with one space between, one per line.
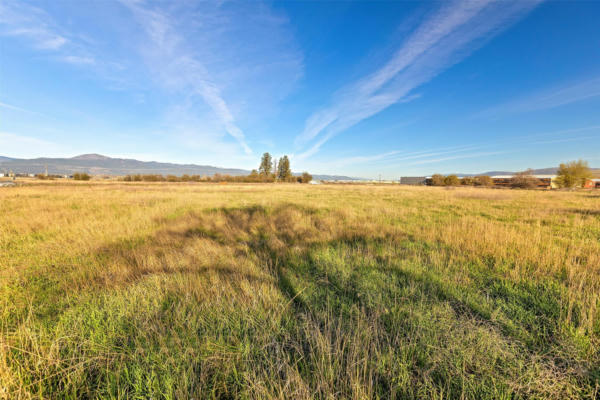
413 180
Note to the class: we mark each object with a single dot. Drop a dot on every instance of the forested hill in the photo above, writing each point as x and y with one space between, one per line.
97 164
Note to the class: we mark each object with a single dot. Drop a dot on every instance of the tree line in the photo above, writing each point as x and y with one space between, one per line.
268 171
573 174
78 176
453 180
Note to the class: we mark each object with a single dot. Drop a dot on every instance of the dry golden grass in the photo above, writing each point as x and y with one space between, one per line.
291 291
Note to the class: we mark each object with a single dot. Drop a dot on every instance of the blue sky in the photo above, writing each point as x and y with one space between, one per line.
346 87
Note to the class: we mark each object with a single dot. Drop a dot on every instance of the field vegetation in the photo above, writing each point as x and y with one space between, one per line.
190 290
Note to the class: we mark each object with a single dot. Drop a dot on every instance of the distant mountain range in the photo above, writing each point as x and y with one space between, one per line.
540 171
97 164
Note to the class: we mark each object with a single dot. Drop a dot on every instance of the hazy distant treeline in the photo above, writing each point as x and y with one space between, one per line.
268 171
253 177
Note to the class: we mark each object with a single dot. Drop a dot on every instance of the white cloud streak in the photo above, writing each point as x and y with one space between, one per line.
178 67
221 66
458 157
79 60
397 158
15 108
548 99
20 19
366 159
398 155
443 39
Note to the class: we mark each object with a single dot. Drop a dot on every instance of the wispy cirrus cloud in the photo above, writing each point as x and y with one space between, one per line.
444 38
79 60
208 54
458 157
16 108
548 99
20 19
399 158
365 159
40 29
223 65
518 145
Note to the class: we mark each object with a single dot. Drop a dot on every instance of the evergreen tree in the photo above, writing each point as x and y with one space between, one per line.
266 165
284 173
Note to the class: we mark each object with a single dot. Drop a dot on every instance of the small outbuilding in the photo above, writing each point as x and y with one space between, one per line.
592 184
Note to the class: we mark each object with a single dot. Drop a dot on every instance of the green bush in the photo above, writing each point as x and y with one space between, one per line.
81 176
573 174
451 180
483 180
305 178
437 180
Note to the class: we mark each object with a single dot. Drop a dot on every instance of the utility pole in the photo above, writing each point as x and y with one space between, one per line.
379 178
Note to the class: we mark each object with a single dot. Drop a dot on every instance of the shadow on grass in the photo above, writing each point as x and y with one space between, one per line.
340 277
582 211
528 310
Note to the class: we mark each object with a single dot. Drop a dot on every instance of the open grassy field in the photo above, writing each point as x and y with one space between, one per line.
295 291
